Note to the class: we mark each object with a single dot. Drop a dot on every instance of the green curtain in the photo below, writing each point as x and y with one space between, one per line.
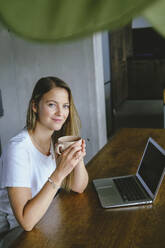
60 20
156 16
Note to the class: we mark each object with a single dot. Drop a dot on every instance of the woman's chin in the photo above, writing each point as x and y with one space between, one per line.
57 128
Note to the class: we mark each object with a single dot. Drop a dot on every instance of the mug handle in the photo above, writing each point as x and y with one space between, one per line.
58 147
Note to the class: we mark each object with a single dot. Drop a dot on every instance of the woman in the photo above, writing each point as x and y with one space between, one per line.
30 174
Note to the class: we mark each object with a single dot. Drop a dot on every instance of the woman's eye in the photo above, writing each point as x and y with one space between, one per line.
66 106
51 105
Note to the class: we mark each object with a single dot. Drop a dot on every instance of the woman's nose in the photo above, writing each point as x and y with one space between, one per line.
58 111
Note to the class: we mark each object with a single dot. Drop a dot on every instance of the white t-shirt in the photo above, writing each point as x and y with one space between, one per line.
23 165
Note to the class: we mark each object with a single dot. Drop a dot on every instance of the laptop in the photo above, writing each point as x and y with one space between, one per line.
132 190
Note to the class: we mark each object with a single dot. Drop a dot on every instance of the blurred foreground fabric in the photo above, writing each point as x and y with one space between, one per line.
60 20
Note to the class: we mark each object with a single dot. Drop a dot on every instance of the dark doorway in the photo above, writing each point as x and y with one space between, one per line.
138 77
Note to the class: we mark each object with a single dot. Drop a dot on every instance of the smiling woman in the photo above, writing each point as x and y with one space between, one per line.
53 109
31 171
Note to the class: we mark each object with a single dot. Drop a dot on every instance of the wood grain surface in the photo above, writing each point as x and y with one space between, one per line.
78 220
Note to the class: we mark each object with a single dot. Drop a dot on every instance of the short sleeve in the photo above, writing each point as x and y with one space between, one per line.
15 166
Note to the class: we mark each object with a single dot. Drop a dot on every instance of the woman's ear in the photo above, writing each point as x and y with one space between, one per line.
34 107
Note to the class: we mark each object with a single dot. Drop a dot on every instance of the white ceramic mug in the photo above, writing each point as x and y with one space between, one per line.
65 141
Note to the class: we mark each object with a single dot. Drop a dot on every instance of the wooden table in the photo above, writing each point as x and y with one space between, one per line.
79 221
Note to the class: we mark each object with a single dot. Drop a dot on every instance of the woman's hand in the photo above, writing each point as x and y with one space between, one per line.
68 160
83 147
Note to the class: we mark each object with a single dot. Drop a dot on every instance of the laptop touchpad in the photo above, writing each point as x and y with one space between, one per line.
109 195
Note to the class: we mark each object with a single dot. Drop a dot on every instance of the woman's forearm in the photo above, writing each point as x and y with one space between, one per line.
80 178
35 209
29 212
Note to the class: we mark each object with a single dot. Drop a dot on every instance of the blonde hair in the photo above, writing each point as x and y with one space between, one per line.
72 124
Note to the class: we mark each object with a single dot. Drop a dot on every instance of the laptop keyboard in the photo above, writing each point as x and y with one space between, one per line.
129 189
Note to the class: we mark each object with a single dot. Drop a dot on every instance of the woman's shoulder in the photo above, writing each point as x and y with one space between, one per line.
22 136
19 141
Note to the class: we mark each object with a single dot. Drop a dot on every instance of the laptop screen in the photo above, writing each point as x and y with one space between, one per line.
152 167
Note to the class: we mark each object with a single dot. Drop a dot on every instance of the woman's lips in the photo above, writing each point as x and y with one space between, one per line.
57 120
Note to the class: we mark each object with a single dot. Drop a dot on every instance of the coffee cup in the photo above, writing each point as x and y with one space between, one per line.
65 141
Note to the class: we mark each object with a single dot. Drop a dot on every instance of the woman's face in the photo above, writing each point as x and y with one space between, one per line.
53 109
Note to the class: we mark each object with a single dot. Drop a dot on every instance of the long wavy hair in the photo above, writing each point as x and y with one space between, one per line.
72 124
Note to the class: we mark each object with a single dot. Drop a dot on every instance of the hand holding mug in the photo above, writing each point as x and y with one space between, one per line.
66 141
70 151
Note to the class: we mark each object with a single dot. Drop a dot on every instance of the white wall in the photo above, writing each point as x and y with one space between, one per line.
106 56
22 63
140 22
